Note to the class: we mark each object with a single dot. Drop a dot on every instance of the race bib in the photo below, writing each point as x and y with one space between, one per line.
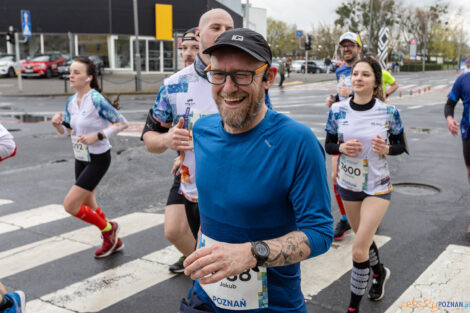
190 118
80 150
353 173
245 291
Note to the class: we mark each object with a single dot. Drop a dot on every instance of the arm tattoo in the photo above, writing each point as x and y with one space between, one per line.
288 249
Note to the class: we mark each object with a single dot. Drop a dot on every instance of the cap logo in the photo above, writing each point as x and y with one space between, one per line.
237 37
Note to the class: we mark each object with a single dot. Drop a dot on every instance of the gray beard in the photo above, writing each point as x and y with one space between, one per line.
240 118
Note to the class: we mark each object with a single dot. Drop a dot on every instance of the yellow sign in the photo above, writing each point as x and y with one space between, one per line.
164 21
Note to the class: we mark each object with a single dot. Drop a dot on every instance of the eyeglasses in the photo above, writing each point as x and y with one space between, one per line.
240 77
350 46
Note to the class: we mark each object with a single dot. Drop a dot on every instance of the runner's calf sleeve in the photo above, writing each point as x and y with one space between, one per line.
338 200
89 216
152 124
375 260
359 279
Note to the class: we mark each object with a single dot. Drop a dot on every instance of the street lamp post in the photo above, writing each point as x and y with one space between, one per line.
138 81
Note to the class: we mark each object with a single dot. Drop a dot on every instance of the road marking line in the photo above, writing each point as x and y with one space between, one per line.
296 82
314 276
34 217
109 287
4 201
407 86
29 256
415 107
444 280
439 86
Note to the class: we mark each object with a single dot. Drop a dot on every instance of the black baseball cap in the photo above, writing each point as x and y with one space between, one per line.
244 39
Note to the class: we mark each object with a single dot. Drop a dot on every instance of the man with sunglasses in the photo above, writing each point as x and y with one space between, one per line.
263 194
351 47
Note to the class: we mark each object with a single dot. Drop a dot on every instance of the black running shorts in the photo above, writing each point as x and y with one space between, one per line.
348 195
466 150
192 213
174 197
89 174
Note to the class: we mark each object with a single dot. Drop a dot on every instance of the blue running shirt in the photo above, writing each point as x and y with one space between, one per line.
260 185
461 90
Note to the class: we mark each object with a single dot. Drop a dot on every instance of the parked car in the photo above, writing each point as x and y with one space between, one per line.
321 66
42 65
296 66
8 65
64 69
312 67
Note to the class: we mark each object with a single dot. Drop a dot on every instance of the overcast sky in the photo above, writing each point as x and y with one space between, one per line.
304 13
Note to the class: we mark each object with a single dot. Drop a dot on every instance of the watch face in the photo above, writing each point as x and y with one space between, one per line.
261 250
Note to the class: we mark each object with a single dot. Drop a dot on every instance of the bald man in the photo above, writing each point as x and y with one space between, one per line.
182 98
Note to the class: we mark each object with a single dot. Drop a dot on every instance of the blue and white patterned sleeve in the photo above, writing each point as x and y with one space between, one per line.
109 113
162 109
331 124
396 125
66 118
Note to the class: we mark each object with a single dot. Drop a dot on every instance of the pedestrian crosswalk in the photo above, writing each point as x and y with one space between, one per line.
117 282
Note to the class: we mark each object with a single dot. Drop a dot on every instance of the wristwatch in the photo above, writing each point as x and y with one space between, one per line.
260 250
100 136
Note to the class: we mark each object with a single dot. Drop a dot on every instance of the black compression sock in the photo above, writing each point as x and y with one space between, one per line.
359 280
5 303
374 259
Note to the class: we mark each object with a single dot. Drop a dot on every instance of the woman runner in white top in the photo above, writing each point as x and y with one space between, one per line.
89 119
363 130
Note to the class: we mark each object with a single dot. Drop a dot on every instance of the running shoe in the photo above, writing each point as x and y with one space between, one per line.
119 246
19 302
341 228
351 310
468 229
377 290
110 240
178 266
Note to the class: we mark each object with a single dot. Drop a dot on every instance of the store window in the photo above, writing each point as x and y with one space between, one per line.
168 60
122 52
94 45
57 43
31 47
3 44
154 56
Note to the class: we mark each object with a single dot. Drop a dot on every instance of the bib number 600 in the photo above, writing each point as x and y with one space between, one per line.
350 170
244 276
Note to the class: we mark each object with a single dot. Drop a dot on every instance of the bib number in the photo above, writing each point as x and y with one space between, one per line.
353 173
80 150
245 291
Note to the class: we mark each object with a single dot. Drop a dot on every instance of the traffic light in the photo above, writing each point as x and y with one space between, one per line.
10 37
308 43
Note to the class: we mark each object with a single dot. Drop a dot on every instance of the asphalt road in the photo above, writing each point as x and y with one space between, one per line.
48 257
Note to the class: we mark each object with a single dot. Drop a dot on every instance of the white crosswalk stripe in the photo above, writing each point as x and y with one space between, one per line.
33 217
442 280
37 253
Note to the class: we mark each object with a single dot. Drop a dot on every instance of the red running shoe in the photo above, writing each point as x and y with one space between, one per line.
119 246
468 229
110 240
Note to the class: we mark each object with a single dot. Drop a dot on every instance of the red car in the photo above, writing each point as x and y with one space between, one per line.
44 65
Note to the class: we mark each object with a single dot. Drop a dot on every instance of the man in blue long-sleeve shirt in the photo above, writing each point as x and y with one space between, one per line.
263 194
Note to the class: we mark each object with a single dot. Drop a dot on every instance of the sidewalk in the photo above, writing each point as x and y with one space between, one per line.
119 84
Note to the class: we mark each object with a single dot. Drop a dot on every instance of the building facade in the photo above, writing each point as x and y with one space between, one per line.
104 28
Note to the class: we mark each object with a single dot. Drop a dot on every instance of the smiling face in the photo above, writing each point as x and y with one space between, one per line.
241 107
363 80
79 75
350 51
